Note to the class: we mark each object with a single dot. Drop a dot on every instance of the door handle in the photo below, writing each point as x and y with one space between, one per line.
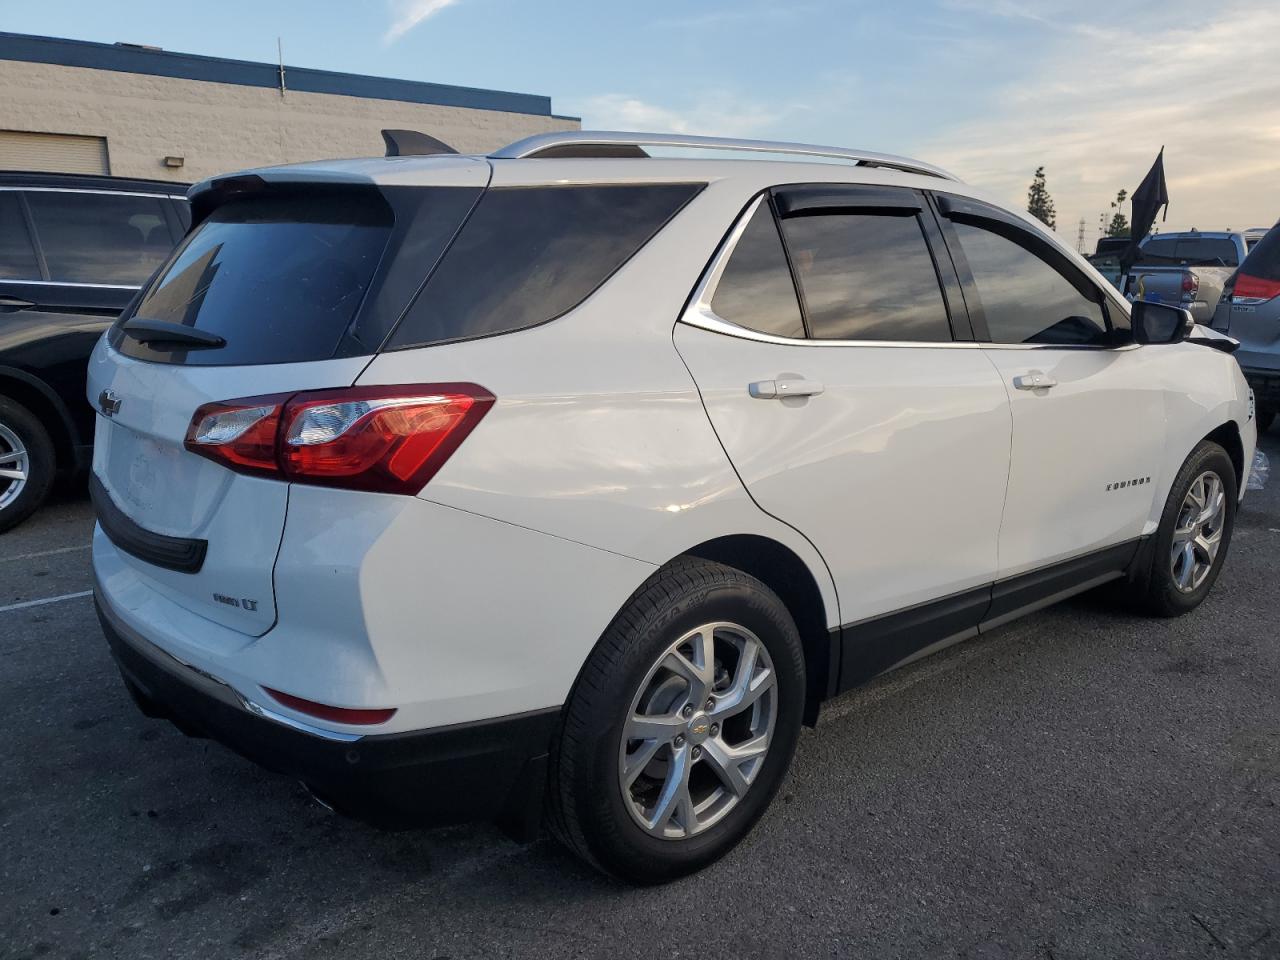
781 389
1034 380
13 303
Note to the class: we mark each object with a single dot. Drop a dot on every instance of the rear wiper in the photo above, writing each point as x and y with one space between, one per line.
166 331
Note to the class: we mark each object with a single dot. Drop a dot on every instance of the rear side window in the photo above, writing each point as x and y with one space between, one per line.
530 254
755 291
100 238
1193 251
867 276
17 256
280 278
1023 298
1263 260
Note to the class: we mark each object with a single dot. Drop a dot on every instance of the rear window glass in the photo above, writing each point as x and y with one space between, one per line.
530 254
1263 260
1193 251
755 290
17 258
100 238
280 278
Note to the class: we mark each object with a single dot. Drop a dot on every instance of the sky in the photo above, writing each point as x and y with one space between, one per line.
989 89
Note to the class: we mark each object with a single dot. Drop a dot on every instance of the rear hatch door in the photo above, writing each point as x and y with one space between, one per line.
301 281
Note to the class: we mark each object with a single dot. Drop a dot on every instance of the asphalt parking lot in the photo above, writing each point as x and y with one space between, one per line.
1079 784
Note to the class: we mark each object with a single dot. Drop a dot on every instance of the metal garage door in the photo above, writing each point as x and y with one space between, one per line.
59 152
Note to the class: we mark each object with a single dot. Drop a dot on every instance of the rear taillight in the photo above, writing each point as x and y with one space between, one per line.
1255 288
1190 285
385 439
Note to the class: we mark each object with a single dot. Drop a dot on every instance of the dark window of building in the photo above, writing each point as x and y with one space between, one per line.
1023 298
17 256
100 237
867 276
755 290
530 254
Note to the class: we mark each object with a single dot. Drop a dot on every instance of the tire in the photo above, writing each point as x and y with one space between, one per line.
629 672
1265 419
1163 587
24 446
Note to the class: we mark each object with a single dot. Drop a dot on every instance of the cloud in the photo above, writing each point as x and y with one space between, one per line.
407 14
716 114
1094 107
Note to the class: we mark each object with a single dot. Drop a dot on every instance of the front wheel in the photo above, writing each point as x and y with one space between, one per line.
1191 542
682 725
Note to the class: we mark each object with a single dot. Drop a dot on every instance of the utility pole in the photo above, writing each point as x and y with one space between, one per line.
280 57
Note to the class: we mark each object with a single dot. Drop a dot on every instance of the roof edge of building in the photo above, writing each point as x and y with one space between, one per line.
127 58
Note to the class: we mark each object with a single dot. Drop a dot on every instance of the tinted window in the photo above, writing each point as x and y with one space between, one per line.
755 290
279 277
100 238
17 258
866 277
530 254
1023 298
1193 251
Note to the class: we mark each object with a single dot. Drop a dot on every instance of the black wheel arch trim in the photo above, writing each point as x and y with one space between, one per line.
65 422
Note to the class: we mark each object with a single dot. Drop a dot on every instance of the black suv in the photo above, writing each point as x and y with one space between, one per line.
73 252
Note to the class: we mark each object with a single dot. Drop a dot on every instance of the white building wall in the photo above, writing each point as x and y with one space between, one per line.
221 127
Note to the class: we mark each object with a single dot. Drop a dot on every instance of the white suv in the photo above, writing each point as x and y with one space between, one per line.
451 485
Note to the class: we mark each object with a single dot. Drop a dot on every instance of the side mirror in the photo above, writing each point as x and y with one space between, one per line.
1160 322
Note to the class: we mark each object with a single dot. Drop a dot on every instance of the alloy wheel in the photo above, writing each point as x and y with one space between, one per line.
1197 536
15 466
697 731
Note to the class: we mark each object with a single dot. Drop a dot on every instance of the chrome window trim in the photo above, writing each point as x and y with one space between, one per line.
73 283
699 312
105 193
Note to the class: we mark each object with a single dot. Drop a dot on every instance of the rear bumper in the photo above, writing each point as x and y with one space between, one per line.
493 769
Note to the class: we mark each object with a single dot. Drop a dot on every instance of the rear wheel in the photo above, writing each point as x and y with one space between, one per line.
681 726
27 463
1191 542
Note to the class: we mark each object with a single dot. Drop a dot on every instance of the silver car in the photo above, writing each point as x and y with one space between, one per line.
1250 312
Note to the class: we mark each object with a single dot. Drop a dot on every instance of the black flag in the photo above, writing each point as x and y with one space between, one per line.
1151 195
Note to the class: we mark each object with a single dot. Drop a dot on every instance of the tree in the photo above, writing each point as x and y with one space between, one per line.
1039 203
1119 225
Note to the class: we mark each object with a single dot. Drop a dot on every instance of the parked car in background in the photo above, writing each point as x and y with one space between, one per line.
1250 312
1186 269
74 250
1253 236
578 474
1108 246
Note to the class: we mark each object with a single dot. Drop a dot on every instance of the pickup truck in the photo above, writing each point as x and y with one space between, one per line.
1187 269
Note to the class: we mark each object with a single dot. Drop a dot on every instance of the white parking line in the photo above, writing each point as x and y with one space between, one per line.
41 602
46 553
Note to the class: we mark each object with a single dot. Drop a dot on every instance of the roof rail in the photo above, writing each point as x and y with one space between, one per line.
595 143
